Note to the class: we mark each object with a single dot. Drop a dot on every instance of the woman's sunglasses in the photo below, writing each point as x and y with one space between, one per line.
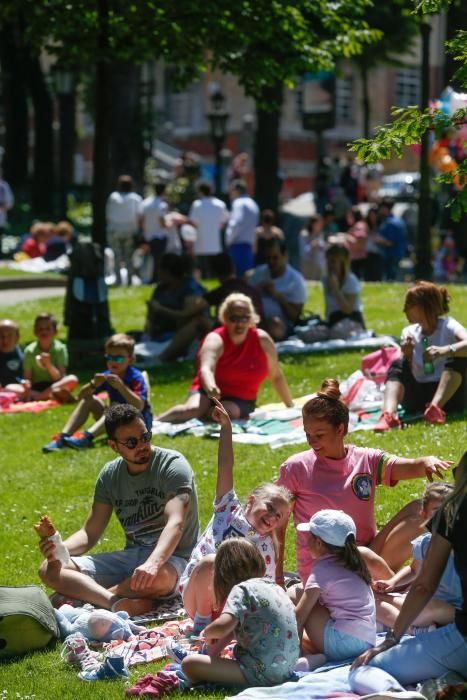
133 442
239 318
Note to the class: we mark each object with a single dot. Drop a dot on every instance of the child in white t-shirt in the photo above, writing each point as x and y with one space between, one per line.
337 608
267 508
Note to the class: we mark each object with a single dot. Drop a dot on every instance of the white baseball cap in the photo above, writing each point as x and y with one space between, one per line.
332 526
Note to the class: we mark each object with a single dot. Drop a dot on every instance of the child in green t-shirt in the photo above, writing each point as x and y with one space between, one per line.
44 364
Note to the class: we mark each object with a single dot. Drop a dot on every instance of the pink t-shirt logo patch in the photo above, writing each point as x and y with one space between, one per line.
362 486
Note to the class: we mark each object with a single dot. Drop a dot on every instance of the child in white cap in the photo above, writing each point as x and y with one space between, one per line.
337 608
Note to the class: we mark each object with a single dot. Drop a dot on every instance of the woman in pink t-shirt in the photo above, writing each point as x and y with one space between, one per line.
335 475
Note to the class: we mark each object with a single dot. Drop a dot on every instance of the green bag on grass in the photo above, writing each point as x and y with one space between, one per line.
27 620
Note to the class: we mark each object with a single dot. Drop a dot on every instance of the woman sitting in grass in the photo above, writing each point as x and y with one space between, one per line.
333 474
431 375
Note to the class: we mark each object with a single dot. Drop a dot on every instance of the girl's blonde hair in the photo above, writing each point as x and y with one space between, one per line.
350 558
278 493
237 560
437 491
451 505
238 298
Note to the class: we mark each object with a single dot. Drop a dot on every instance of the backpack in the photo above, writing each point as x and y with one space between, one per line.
87 260
27 620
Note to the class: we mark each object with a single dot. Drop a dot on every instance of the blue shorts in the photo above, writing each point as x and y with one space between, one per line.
110 568
339 645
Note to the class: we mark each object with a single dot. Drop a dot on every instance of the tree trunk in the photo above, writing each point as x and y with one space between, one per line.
266 153
423 266
15 159
101 153
127 150
43 180
366 105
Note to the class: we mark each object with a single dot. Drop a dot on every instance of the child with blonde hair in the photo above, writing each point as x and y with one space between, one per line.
267 508
45 362
447 597
337 607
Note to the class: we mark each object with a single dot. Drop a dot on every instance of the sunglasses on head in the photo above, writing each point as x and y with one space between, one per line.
239 318
115 358
133 442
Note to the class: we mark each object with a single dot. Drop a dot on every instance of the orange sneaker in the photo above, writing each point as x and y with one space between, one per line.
386 422
434 414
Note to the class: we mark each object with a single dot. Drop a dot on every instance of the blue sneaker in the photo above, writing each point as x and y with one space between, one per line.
176 652
79 442
57 443
111 668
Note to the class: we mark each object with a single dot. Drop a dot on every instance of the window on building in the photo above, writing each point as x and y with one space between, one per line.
407 87
345 100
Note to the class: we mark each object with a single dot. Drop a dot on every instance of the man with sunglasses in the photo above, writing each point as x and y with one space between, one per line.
153 494
123 384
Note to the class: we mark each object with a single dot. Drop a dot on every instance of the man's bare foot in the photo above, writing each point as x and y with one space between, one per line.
133 606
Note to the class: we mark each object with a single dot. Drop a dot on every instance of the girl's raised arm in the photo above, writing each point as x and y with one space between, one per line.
225 457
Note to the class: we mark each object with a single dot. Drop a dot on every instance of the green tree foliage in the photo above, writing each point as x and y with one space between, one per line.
398 26
410 124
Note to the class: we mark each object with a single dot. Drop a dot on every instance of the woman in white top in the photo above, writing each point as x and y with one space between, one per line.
431 375
341 288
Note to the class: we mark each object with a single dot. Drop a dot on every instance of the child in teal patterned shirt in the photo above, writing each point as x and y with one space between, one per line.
258 613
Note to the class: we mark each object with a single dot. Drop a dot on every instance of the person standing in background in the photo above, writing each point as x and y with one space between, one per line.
208 214
241 229
153 212
122 215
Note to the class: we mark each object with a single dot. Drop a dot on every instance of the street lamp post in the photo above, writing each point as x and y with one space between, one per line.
317 107
218 118
64 82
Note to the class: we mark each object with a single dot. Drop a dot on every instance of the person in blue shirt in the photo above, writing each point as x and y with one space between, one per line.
394 231
123 384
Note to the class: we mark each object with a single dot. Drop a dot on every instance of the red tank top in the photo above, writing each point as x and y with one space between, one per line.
240 369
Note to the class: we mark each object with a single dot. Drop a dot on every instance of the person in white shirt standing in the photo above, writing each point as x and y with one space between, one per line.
153 213
241 229
122 214
6 202
208 214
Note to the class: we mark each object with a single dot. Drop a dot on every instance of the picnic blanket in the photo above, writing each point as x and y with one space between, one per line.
366 339
276 425
14 406
147 352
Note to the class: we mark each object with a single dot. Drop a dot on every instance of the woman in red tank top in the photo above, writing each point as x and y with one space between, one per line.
231 365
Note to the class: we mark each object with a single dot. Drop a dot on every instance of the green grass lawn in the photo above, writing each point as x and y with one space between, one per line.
61 484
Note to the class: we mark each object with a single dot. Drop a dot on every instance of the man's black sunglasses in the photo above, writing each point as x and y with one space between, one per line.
132 442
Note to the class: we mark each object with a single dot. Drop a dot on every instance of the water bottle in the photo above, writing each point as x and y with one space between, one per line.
428 366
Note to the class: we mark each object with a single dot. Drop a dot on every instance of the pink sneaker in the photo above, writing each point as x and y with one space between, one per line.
386 422
434 414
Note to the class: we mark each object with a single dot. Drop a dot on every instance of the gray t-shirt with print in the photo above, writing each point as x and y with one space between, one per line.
139 500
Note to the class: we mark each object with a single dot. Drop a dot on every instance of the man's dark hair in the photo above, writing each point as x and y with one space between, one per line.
159 188
125 183
273 242
239 186
387 202
222 265
120 414
205 188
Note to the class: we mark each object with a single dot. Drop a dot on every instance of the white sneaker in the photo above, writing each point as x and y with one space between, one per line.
75 651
